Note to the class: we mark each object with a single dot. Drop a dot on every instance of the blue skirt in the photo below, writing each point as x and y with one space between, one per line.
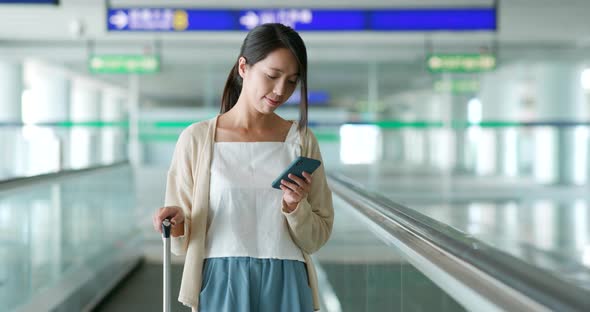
244 284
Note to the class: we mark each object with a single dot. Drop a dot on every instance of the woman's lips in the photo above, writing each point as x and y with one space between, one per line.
271 102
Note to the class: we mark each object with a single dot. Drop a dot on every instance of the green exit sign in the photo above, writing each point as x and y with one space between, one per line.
460 63
124 64
457 86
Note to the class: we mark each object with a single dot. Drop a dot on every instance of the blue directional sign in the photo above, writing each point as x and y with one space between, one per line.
180 20
451 19
305 19
30 1
314 98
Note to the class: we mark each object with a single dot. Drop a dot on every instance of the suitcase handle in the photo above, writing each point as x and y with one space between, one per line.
166 225
166 237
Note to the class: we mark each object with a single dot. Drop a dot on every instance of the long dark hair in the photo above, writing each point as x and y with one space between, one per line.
261 41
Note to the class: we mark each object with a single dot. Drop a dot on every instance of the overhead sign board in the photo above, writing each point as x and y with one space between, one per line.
460 63
181 20
55 2
457 86
124 64
314 98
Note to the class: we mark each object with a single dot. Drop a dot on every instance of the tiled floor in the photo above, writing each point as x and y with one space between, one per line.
142 291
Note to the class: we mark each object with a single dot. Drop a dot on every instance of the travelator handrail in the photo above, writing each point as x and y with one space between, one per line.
15 182
508 283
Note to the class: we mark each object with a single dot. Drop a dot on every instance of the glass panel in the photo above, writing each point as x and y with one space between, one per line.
551 234
365 274
51 229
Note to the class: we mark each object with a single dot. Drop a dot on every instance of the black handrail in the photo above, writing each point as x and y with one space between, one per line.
535 283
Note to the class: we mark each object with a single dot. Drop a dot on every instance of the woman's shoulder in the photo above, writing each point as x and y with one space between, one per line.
306 133
309 142
196 131
200 127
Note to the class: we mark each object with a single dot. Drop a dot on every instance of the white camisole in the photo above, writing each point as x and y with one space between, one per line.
245 217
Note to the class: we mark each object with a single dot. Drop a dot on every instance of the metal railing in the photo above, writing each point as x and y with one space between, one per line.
474 273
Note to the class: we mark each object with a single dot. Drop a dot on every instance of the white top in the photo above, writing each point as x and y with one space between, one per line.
245 217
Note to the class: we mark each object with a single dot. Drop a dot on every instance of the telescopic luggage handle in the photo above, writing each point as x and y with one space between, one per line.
166 238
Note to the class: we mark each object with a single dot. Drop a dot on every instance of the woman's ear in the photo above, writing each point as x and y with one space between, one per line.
242 66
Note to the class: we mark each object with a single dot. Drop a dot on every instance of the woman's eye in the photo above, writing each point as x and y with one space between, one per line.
275 77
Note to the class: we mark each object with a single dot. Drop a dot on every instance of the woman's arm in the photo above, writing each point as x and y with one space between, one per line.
179 188
310 224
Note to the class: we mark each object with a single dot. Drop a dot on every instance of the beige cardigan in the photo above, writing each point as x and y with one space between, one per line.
310 224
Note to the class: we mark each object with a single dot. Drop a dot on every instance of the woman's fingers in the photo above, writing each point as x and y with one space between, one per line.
172 213
307 177
292 186
295 191
292 195
159 217
178 219
169 213
299 181
301 184
155 223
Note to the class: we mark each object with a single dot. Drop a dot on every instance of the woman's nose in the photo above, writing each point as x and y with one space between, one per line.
279 89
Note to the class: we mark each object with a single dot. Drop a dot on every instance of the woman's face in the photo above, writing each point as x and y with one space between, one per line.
270 82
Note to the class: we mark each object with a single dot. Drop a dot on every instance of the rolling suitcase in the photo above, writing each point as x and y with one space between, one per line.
166 238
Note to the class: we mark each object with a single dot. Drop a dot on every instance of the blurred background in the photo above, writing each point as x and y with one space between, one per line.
472 117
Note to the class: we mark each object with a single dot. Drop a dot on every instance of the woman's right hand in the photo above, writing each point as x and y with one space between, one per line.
172 213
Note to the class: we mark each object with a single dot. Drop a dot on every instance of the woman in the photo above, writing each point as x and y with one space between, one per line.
247 245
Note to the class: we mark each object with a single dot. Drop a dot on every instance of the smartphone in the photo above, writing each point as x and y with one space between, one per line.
297 167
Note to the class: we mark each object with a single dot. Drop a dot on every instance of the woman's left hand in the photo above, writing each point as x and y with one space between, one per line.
293 193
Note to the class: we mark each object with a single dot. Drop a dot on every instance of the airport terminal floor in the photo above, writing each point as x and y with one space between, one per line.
455 137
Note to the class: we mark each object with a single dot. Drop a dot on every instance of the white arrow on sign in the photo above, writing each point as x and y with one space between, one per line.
249 20
119 19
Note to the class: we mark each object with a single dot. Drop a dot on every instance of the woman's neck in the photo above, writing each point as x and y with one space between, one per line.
245 117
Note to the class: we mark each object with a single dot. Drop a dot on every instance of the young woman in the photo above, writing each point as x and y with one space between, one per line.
248 245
